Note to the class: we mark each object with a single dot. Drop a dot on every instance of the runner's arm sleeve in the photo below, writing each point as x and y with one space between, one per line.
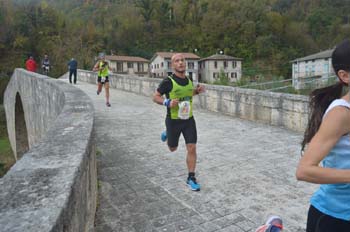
165 86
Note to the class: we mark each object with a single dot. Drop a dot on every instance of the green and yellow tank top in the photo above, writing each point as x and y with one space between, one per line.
103 69
184 94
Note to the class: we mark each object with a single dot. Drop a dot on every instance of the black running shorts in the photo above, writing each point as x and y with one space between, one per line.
320 222
99 80
174 127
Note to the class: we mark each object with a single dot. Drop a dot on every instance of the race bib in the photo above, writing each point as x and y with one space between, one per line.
103 79
184 110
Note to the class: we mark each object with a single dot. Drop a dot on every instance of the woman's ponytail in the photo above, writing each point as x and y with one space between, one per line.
320 99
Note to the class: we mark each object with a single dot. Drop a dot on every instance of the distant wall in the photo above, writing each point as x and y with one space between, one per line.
278 109
140 85
53 186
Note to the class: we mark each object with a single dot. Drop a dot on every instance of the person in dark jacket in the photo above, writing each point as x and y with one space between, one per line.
72 66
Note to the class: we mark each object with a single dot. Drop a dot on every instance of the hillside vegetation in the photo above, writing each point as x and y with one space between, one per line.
267 34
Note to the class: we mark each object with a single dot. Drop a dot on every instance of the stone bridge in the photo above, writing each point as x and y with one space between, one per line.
82 166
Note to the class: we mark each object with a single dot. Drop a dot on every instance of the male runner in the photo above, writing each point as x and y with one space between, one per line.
179 90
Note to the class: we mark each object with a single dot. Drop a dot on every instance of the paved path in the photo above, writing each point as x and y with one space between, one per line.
246 170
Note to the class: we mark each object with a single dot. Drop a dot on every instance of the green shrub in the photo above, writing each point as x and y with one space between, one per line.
3 83
6 155
243 81
7 158
223 79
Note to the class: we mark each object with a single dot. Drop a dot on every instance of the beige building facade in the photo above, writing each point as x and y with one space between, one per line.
131 65
312 68
210 68
160 66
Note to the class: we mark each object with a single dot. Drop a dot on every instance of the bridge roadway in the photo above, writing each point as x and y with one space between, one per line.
246 170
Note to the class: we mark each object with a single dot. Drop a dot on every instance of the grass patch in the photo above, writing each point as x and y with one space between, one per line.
7 158
3 83
3 129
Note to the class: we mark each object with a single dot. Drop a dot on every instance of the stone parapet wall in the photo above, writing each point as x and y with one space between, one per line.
278 109
42 101
53 187
140 85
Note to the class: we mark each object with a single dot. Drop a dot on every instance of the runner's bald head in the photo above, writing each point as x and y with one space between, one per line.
176 55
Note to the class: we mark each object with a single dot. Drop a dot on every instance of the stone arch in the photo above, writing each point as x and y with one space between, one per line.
22 145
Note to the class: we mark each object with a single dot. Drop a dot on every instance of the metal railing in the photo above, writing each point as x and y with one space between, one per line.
287 85
268 85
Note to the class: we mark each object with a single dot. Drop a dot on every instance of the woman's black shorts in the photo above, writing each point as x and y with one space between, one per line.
99 80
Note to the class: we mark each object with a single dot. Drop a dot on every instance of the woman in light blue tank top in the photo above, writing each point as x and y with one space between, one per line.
328 142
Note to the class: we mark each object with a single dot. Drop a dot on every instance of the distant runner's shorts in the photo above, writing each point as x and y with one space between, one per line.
99 80
174 127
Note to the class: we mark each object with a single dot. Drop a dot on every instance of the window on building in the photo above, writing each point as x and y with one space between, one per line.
190 75
295 68
326 68
308 70
215 64
169 64
225 64
191 65
234 64
233 75
161 64
215 75
119 67
130 65
140 67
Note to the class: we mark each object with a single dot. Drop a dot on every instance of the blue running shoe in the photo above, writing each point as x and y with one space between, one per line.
192 183
163 136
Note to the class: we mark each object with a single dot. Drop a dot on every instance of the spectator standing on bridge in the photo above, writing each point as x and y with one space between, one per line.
31 64
179 90
328 141
45 64
103 69
72 67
